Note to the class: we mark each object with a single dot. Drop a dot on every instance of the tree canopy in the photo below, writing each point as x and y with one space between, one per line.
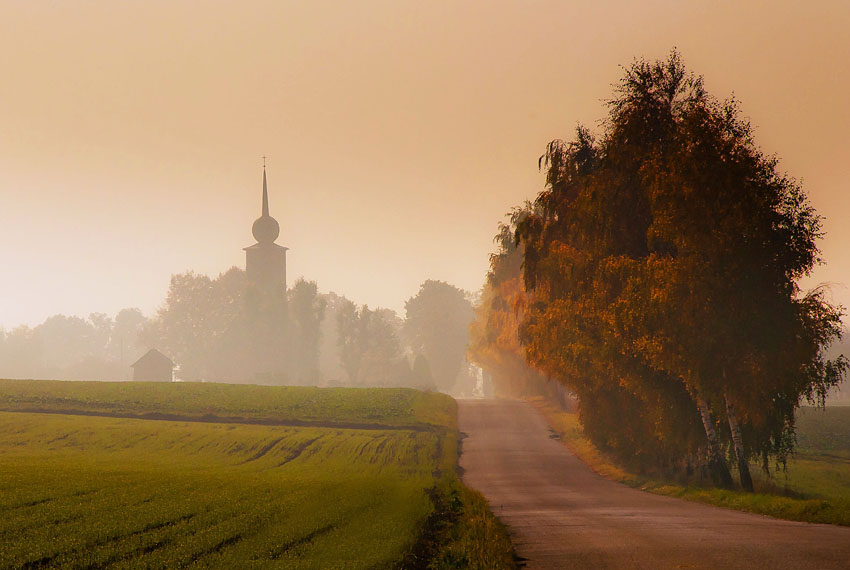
663 261
493 336
436 326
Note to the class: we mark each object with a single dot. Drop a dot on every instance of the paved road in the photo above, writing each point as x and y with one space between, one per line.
562 515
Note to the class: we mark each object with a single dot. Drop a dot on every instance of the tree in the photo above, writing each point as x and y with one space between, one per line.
124 342
307 309
369 346
422 377
664 262
221 329
181 328
69 348
436 324
493 335
382 362
350 339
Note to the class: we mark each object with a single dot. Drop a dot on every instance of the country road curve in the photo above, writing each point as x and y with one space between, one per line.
562 515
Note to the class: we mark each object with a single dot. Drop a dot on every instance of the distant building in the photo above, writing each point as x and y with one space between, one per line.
265 261
154 366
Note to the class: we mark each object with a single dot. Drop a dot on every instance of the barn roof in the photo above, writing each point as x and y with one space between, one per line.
152 356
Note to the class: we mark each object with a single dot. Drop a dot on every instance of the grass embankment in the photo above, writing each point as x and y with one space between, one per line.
87 491
815 488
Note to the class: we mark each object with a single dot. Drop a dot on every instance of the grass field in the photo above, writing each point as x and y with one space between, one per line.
82 491
815 487
294 405
821 467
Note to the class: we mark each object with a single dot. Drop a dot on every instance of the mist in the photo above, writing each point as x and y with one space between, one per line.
397 135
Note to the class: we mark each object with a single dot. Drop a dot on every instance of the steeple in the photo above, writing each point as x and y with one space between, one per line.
266 260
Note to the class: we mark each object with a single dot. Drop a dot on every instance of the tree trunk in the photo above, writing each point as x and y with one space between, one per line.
716 462
738 442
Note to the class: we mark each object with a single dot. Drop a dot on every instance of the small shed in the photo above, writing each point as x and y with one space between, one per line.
154 366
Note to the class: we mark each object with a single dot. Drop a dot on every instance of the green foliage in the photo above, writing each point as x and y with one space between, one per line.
663 260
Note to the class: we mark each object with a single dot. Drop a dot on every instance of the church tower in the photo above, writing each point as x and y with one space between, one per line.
265 261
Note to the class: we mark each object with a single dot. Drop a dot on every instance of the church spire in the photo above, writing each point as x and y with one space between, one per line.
266 228
265 194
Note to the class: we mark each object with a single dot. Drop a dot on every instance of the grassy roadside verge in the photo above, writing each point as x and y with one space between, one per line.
462 531
816 496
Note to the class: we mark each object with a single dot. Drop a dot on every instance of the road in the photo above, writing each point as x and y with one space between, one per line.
562 515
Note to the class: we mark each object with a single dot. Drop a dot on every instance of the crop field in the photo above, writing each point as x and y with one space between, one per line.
82 491
293 405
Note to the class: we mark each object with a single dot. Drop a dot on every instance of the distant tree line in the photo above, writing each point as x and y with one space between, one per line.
228 330
225 329
656 278
97 348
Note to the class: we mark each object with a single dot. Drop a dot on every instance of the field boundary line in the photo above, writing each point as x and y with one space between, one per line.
213 419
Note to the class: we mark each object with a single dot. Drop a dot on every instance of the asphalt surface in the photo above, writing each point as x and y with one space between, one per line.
562 515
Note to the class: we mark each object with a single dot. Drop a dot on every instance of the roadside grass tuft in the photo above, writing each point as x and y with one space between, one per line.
473 537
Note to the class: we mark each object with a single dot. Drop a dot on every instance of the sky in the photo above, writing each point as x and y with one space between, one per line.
398 134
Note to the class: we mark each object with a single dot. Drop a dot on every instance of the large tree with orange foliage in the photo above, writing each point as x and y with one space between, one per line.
664 259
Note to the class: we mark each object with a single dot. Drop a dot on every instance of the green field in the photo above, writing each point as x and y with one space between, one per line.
293 405
83 491
821 467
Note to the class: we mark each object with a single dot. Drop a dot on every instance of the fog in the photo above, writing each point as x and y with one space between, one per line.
238 329
398 134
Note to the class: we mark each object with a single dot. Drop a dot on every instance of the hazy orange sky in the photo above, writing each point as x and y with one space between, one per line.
398 133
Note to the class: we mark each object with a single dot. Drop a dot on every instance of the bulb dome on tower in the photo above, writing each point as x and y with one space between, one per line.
265 229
